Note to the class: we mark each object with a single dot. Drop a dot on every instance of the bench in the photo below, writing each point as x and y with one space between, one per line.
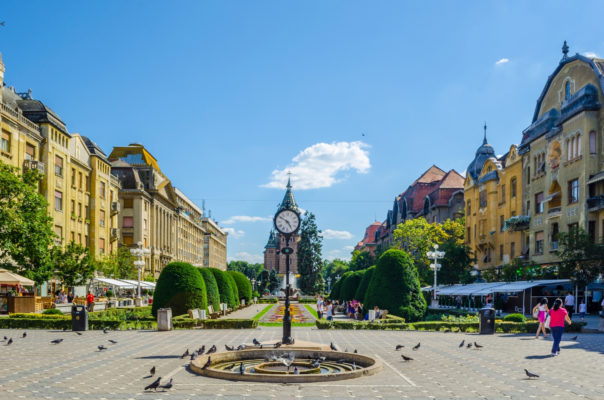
213 314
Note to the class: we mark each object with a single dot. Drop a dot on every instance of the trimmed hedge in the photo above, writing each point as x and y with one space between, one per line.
395 287
336 290
515 318
224 288
234 289
244 286
180 287
360 325
211 288
268 301
53 323
364 285
52 311
350 285
188 323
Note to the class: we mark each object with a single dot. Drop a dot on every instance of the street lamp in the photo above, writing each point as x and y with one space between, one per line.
435 255
139 252
329 284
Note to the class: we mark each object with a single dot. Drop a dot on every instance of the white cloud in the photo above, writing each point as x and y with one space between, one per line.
234 233
502 61
590 54
245 218
331 234
318 166
248 257
339 254
349 248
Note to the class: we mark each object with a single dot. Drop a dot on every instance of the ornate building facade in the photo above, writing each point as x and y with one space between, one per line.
273 259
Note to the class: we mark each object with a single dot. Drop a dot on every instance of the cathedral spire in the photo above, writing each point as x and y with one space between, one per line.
485 133
288 199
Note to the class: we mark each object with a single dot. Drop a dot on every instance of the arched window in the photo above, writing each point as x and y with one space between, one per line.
404 212
592 142
513 188
427 206
567 90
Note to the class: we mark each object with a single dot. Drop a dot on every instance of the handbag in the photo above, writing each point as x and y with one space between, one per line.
547 322
536 313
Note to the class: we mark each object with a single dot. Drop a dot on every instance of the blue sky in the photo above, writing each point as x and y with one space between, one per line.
229 95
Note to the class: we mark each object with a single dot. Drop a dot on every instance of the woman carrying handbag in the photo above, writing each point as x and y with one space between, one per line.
540 312
558 316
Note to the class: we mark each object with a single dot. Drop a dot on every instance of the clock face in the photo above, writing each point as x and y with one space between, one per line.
287 221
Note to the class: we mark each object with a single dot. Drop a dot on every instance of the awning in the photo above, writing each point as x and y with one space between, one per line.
144 284
114 282
551 197
595 286
473 289
596 178
520 286
10 278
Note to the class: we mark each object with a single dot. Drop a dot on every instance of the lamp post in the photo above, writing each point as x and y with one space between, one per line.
139 252
435 255
329 284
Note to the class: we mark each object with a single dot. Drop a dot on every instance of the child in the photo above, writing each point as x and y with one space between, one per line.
582 309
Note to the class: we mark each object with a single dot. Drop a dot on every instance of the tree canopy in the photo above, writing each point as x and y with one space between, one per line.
252 271
73 264
309 258
581 257
118 265
181 287
361 260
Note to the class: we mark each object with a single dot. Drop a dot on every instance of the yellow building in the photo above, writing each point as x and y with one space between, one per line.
492 192
214 245
190 230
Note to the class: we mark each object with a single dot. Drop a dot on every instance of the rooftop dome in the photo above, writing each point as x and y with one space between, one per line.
483 153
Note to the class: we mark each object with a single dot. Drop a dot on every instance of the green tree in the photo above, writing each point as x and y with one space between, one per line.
26 235
361 292
252 271
244 286
334 268
350 285
361 260
118 265
395 286
273 281
211 288
224 288
310 262
73 264
181 287
581 257
234 289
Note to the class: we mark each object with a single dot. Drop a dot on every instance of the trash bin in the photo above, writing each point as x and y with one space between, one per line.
164 319
79 318
487 321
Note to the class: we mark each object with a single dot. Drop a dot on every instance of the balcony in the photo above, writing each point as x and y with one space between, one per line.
554 210
115 232
115 207
595 203
517 223
32 164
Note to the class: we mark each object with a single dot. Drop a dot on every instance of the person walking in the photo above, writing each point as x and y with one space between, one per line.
558 315
582 310
569 304
329 310
541 310
90 301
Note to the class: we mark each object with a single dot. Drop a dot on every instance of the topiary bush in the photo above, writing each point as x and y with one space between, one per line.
361 292
515 318
244 286
52 311
350 285
234 289
211 288
180 287
337 292
395 287
224 288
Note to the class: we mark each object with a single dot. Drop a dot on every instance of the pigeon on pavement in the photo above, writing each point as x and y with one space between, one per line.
416 347
333 346
229 348
256 342
399 346
56 341
212 349
10 341
277 345
469 345
101 348
462 343
202 349
112 341
530 374
167 386
24 335
478 346
207 364
406 358
185 354
153 385
152 371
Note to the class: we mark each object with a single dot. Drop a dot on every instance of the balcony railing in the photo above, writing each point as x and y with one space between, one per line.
554 210
8 110
595 203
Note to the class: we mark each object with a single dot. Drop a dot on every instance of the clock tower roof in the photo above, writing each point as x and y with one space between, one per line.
288 200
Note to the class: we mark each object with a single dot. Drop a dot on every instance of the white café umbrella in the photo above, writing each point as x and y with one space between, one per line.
10 278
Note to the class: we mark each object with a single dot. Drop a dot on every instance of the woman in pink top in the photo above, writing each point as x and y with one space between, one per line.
558 315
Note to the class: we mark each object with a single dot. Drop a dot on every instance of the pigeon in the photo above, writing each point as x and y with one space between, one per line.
354 365
277 345
152 371
322 358
167 386
478 346
530 374
241 347
230 367
207 364
24 335
406 358
202 349
316 364
241 369
447 330
355 351
5 338
101 348
185 354
10 341
105 330
462 343
212 349
296 371
79 333
112 341
399 346
469 345
292 341
229 348
333 346
194 355
342 361
153 385
256 342
346 350
260 346
574 339
56 341
416 347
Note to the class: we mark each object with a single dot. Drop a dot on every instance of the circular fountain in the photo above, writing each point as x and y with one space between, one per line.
303 362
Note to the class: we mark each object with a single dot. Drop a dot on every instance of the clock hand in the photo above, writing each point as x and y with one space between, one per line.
288 224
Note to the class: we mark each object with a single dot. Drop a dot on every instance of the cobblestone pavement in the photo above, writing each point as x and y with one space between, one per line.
32 368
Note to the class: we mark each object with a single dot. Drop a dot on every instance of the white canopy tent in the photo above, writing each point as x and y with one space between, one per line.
144 284
10 278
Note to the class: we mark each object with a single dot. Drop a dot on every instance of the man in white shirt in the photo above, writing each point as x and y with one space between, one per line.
569 304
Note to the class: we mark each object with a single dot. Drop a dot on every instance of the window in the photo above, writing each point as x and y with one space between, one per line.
539 203
555 231
58 166
5 142
79 210
573 228
128 203
474 231
483 198
503 193
58 201
567 90
128 222
72 236
30 152
501 223
539 164
73 177
59 231
500 252
539 242
469 235
102 217
528 174
102 189
592 142
145 224
86 213
87 182
512 250
73 207
128 240
86 241
469 208
102 246
80 180
573 191
573 147
513 188
79 238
